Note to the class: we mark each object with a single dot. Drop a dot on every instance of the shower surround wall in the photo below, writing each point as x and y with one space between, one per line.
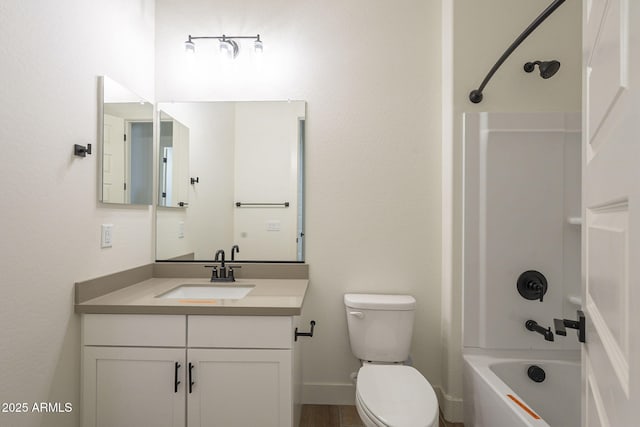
521 205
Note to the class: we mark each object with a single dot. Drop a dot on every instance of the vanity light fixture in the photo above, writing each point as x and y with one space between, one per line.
228 44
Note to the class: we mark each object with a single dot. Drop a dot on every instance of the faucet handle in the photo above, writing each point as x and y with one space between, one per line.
231 273
214 273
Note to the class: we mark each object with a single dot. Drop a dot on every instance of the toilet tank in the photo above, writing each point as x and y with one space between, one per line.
380 326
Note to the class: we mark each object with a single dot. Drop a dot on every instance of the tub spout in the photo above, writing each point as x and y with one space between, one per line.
532 325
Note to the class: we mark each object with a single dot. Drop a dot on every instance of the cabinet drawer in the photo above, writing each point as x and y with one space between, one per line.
134 330
240 331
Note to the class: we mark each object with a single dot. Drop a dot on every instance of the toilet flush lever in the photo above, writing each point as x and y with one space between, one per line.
358 314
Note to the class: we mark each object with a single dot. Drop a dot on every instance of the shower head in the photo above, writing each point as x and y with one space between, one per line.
547 68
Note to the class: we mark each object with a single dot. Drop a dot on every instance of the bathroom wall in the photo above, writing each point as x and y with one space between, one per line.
521 199
480 32
370 75
52 53
170 223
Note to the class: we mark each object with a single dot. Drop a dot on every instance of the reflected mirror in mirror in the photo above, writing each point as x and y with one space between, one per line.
245 183
127 146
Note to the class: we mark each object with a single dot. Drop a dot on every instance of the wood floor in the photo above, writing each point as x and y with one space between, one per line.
330 416
340 416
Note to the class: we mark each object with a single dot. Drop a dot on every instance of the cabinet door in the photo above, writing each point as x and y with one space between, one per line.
133 387
240 388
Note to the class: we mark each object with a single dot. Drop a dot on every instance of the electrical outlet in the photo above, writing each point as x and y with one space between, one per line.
106 240
273 225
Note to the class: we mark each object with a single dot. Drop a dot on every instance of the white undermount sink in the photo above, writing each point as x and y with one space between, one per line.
188 291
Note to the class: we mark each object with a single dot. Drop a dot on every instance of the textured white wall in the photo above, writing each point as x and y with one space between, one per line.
371 77
169 244
484 30
52 53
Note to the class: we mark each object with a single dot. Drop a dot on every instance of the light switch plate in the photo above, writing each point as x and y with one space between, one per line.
181 230
106 240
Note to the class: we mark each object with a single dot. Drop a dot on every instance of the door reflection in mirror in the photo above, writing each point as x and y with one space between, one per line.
174 163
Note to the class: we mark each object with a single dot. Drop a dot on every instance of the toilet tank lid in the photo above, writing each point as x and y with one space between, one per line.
380 301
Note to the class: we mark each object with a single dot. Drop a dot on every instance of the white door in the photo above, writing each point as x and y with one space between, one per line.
611 200
239 388
113 160
166 184
180 163
133 387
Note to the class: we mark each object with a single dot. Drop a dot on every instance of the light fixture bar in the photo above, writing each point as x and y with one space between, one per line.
225 37
228 45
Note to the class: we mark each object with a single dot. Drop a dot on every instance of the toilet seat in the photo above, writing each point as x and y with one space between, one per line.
366 416
397 396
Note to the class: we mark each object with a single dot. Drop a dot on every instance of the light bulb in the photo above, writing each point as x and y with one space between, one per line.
229 48
257 46
189 46
225 48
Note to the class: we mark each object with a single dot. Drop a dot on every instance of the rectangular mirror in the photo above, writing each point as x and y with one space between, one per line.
127 145
245 186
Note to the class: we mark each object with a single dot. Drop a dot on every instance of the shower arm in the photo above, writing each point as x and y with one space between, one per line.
475 95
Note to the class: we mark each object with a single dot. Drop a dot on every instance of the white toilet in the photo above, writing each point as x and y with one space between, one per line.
388 393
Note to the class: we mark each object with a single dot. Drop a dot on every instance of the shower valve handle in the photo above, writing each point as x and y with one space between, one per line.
532 285
537 288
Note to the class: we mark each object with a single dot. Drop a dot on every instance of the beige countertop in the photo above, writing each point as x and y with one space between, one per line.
269 297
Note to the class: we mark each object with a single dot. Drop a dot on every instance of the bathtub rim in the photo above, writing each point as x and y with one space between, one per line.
481 360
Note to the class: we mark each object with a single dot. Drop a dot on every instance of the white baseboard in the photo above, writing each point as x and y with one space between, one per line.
328 394
451 407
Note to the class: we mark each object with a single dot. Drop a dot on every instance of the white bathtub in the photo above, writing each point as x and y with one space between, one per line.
499 393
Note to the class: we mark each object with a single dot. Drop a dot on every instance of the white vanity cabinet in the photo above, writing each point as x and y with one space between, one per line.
186 370
132 386
240 388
